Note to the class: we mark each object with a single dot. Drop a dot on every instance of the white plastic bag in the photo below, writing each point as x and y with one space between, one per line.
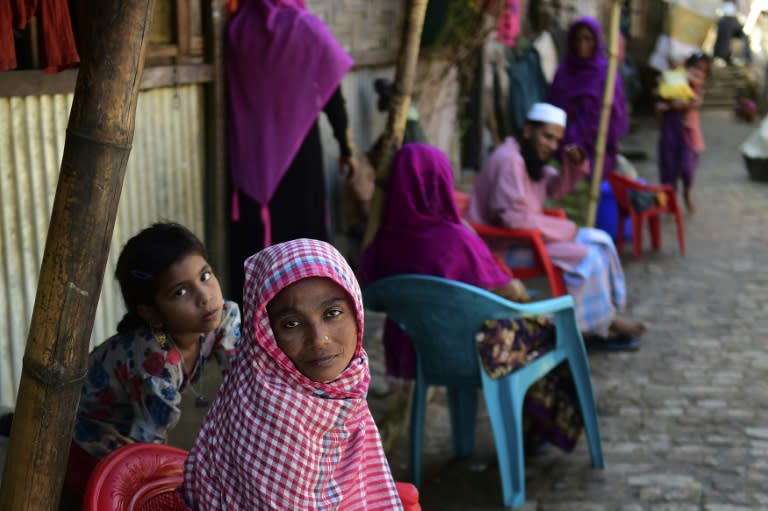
756 145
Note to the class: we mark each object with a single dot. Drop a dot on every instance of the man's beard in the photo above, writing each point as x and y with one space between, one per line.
533 164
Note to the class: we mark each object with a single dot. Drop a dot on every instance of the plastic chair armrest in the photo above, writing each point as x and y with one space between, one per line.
490 231
549 306
556 212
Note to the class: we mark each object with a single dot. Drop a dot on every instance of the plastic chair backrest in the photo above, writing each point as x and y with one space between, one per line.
137 477
531 239
619 186
664 202
441 317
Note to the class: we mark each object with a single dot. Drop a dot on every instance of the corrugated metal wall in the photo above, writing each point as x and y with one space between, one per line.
164 181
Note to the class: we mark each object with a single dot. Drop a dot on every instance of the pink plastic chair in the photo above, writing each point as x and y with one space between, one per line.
144 477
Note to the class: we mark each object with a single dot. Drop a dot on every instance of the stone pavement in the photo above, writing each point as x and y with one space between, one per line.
684 420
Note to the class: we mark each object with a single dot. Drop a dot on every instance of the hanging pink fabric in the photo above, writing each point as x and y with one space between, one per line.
283 64
508 25
266 221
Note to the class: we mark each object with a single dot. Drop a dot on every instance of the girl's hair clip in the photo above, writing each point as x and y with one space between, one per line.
141 275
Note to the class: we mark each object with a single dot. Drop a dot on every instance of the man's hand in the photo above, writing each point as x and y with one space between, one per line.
574 153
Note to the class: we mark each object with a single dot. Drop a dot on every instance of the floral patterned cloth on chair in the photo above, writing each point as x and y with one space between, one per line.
552 412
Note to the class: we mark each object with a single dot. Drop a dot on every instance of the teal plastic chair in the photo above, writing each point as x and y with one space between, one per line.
441 317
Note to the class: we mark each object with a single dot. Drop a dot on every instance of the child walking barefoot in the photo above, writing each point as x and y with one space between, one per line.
177 319
290 428
680 140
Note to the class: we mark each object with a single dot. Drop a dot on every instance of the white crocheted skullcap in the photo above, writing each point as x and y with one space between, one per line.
550 114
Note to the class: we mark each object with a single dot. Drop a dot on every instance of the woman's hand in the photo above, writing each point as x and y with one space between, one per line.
347 166
514 290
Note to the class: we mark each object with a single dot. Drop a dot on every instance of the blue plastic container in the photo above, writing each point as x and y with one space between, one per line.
608 216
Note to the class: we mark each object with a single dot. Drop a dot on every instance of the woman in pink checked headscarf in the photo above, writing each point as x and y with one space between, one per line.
290 428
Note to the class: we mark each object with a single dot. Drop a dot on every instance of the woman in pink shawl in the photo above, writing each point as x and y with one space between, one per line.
290 427
284 67
578 89
422 232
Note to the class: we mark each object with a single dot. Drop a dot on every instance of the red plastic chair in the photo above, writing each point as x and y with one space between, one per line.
137 477
621 186
528 238
409 496
144 477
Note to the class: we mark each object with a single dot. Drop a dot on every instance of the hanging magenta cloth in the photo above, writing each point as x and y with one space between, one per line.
508 24
283 64
421 232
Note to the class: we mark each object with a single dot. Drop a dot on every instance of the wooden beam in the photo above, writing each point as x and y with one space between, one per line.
182 27
374 57
38 83
166 76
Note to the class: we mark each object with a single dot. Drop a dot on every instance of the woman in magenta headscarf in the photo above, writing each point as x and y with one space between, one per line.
422 232
578 89
284 67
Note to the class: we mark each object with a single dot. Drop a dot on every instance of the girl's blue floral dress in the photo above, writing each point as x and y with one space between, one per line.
133 389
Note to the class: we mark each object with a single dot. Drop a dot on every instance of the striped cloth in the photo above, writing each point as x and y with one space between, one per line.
597 283
276 440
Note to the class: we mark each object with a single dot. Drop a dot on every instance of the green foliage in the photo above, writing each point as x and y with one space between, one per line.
454 24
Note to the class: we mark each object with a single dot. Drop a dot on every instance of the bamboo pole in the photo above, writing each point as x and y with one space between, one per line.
605 114
96 150
405 73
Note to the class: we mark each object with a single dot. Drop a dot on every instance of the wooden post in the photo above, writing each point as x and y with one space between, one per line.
96 150
405 73
605 114
217 173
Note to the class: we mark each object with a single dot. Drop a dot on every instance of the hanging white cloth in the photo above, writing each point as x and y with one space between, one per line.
548 57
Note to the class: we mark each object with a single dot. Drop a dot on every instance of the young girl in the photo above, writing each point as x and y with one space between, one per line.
680 139
176 320
290 428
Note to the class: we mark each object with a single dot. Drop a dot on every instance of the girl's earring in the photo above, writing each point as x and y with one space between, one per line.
159 335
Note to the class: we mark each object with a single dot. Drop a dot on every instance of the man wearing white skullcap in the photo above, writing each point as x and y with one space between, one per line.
544 112
510 191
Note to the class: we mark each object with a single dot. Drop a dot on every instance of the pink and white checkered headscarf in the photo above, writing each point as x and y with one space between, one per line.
276 440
